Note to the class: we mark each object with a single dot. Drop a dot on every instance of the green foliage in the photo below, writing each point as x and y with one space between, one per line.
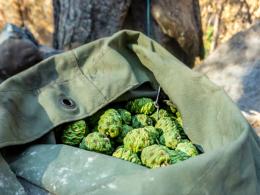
208 38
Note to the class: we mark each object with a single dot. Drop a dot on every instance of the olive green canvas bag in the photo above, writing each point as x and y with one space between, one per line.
76 84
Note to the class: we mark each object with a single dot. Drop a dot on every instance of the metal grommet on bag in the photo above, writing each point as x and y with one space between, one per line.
67 103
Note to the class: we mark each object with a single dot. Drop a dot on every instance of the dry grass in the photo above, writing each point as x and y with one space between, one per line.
253 118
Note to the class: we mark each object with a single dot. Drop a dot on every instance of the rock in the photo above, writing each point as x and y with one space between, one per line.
16 56
235 66
180 20
11 31
19 50
36 15
48 51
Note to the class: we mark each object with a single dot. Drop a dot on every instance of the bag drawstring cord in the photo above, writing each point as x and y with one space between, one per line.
148 32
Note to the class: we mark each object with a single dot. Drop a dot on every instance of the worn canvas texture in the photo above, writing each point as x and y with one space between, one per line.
91 77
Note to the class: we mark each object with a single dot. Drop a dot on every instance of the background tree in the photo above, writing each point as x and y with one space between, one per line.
175 24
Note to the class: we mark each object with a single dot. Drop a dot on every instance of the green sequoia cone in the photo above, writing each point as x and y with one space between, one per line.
171 106
110 123
188 148
177 156
137 139
166 124
125 130
138 143
170 139
125 115
126 154
179 119
173 112
162 113
141 106
141 120
155 156
97 142
74 133
153 131
93 119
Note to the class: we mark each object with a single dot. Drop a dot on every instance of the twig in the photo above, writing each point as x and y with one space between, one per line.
216 26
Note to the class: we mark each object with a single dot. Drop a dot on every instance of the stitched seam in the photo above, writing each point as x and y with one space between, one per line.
76 71
86 76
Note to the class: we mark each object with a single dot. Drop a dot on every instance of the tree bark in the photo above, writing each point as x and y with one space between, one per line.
175 24
81 21
180 20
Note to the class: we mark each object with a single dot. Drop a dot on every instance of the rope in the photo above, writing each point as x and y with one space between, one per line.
148 18
148 31
156 102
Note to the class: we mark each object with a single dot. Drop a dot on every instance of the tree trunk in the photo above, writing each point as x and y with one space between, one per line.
175 24
81 21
